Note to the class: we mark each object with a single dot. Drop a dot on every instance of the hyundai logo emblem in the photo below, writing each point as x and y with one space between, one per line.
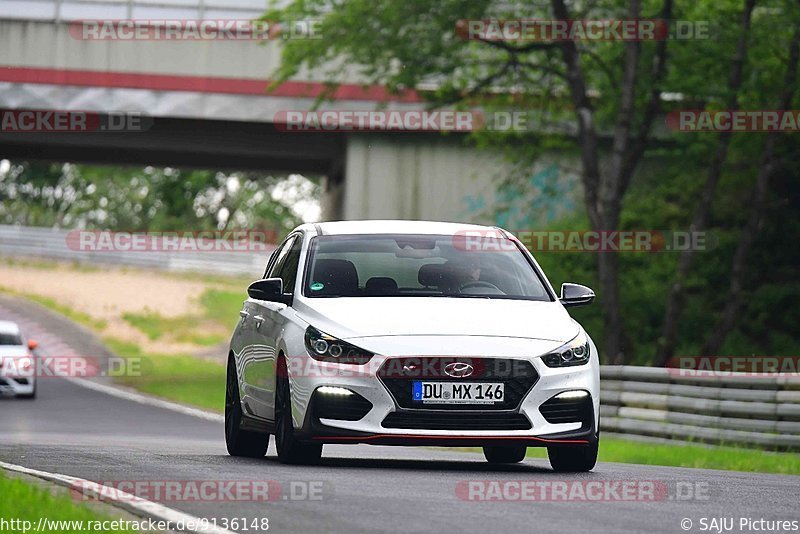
458 370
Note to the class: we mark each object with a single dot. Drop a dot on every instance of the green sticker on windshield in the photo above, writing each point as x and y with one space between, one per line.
316 286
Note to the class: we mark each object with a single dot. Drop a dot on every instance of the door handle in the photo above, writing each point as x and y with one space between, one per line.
243 314
258 320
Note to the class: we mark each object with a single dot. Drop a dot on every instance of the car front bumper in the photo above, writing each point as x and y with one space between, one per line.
11 387
383 423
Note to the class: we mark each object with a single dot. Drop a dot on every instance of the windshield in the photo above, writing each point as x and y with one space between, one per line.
419 266
10 339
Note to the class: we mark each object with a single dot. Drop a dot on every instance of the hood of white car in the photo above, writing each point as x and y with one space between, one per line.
363 317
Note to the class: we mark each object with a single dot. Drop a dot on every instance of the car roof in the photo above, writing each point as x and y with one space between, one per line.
7 327
401 227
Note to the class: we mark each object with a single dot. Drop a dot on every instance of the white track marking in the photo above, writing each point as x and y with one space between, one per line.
131 503
52 345
149 401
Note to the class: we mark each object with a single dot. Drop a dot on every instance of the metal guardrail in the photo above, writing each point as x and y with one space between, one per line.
50 243
733 410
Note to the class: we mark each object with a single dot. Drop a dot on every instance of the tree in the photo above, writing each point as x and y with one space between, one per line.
614 89
675 301
149 199
769 161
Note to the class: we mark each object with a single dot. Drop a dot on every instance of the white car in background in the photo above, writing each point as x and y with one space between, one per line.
17 362
411 333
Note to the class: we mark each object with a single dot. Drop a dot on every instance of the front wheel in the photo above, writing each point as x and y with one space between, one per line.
239 442
573 459
290 450
504 455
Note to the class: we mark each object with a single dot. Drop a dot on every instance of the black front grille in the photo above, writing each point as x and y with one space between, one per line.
558 410
398 375
456 421
343 407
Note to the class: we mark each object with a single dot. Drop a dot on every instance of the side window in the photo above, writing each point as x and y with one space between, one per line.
291 263
279 259
269 262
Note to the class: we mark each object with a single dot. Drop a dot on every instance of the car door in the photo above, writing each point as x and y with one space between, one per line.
269 320
254 358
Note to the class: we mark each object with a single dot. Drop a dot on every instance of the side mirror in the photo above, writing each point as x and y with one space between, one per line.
269 289
576 295
32 344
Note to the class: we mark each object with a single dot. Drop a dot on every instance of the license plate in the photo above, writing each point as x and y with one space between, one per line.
457 392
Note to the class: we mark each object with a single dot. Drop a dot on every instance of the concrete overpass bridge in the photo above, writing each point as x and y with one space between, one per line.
210 108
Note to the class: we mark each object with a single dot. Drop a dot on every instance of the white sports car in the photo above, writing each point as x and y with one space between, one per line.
411 333
17 362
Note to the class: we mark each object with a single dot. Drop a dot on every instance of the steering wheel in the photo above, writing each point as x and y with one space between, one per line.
478 283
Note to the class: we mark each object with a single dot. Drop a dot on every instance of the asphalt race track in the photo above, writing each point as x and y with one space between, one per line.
76 431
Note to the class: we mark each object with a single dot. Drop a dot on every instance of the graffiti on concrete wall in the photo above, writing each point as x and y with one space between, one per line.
548 194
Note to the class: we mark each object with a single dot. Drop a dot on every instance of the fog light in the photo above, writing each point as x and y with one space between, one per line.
570 395
333 390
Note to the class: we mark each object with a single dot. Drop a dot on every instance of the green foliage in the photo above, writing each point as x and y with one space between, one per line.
663 201
185 379
220 315
51 303
415 45
222 306
151 199
27 502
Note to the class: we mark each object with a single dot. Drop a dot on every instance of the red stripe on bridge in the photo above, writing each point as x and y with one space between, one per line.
198 84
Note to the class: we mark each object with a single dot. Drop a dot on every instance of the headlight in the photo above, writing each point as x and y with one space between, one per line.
576 352
327 348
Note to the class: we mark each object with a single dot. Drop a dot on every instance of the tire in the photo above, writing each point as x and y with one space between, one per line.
239 442
573 459
504 455
290 450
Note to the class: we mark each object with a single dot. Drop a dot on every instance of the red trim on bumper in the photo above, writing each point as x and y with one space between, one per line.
198 84
446 438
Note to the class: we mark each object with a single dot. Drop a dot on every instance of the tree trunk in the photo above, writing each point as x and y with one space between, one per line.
677 295
759 196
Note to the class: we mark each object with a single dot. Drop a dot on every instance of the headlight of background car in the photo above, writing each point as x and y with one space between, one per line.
576 352
327 348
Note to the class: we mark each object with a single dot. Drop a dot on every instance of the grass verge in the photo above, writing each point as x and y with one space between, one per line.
184 379
729 458
220 309
686 455
26 502
76 316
